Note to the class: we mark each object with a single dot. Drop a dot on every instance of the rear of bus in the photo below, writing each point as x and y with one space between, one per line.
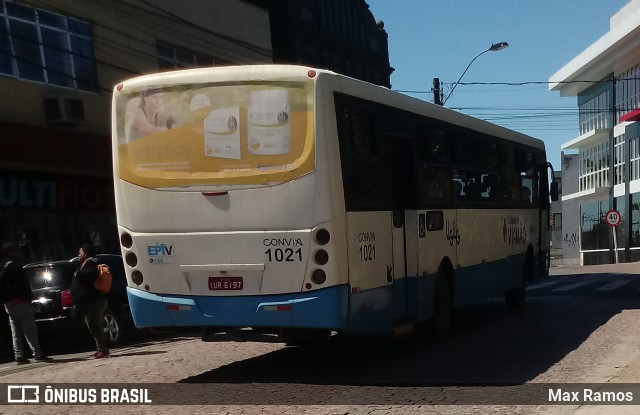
225 217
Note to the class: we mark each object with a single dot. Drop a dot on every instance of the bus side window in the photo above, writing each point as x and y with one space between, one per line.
526 171
509 176
435 183
359 158
434 172
472 188
525 194
457 188
490 187
468 186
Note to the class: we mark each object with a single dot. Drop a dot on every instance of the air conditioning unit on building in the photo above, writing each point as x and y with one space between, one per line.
64 111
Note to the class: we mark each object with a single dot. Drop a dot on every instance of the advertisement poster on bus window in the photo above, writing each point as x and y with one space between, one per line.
221 135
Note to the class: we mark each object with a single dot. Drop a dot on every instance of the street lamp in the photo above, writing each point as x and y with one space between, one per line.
493 48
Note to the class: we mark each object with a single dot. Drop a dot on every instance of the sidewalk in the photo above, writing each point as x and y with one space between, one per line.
622 372
623 268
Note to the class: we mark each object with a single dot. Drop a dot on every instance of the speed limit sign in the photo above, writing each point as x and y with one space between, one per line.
613 217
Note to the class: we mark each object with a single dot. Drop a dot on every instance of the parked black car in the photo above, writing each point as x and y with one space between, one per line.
53 306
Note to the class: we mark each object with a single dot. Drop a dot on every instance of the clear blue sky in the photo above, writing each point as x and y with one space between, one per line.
438 38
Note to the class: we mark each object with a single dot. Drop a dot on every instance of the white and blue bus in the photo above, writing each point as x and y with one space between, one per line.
300 202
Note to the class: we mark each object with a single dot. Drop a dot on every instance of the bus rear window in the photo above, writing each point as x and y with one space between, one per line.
215 135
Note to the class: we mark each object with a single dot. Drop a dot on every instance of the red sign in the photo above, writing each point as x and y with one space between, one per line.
613 218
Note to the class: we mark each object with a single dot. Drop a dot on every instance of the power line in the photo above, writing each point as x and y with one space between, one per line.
523 83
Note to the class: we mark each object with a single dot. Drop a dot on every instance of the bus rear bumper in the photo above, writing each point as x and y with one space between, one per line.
326 308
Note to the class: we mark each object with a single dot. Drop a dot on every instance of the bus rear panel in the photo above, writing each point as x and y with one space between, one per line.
297 201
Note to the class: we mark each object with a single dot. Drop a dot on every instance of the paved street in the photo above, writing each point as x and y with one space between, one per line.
578 327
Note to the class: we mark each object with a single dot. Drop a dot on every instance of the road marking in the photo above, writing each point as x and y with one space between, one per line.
614 285
541 285
572 286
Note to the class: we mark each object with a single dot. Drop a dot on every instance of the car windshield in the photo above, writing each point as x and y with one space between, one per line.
50 275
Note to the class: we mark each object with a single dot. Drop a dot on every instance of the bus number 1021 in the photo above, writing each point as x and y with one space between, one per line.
367 252
284 255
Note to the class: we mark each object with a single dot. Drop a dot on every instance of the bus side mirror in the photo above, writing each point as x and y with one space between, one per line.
553 191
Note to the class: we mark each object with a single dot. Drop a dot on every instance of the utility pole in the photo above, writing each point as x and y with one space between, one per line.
437 94
613 205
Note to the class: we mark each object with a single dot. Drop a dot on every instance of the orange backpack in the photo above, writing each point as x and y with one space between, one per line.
103 282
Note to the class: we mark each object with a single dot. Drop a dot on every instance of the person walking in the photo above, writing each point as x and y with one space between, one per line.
17 295
90 302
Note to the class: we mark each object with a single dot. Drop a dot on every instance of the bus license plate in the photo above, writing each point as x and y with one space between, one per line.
225 283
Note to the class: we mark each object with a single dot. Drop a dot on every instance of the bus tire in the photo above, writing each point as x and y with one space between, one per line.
442 307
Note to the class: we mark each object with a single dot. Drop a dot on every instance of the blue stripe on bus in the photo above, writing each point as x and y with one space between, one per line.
371 311
487 280
326 308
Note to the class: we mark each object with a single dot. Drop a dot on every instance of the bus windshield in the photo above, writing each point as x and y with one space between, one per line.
222 135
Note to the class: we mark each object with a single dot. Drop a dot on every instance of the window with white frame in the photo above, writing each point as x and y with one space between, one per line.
627 91
175 57
594 167
42 46
595 113
557 221
634 157
618 160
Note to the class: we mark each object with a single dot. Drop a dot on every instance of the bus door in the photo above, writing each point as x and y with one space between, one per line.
401 176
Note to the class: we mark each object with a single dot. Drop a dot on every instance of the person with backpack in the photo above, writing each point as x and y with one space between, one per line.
89 301
17 295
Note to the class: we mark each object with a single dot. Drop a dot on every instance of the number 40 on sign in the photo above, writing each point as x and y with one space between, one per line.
613 218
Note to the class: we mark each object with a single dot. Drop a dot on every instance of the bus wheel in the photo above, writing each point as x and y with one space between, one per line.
442 307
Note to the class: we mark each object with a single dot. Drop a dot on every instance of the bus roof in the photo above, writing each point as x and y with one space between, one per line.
356 87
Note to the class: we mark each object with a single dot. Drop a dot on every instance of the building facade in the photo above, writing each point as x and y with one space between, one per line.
565 215
605 78
555 222
570 227
59 61
340 35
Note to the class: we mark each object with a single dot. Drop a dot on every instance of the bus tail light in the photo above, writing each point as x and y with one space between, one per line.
126 240
136 277
318 277
322 236
132 259
321 257
178 307
65 298
279 307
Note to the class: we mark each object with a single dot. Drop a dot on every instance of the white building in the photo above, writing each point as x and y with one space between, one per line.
570 229
605 78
